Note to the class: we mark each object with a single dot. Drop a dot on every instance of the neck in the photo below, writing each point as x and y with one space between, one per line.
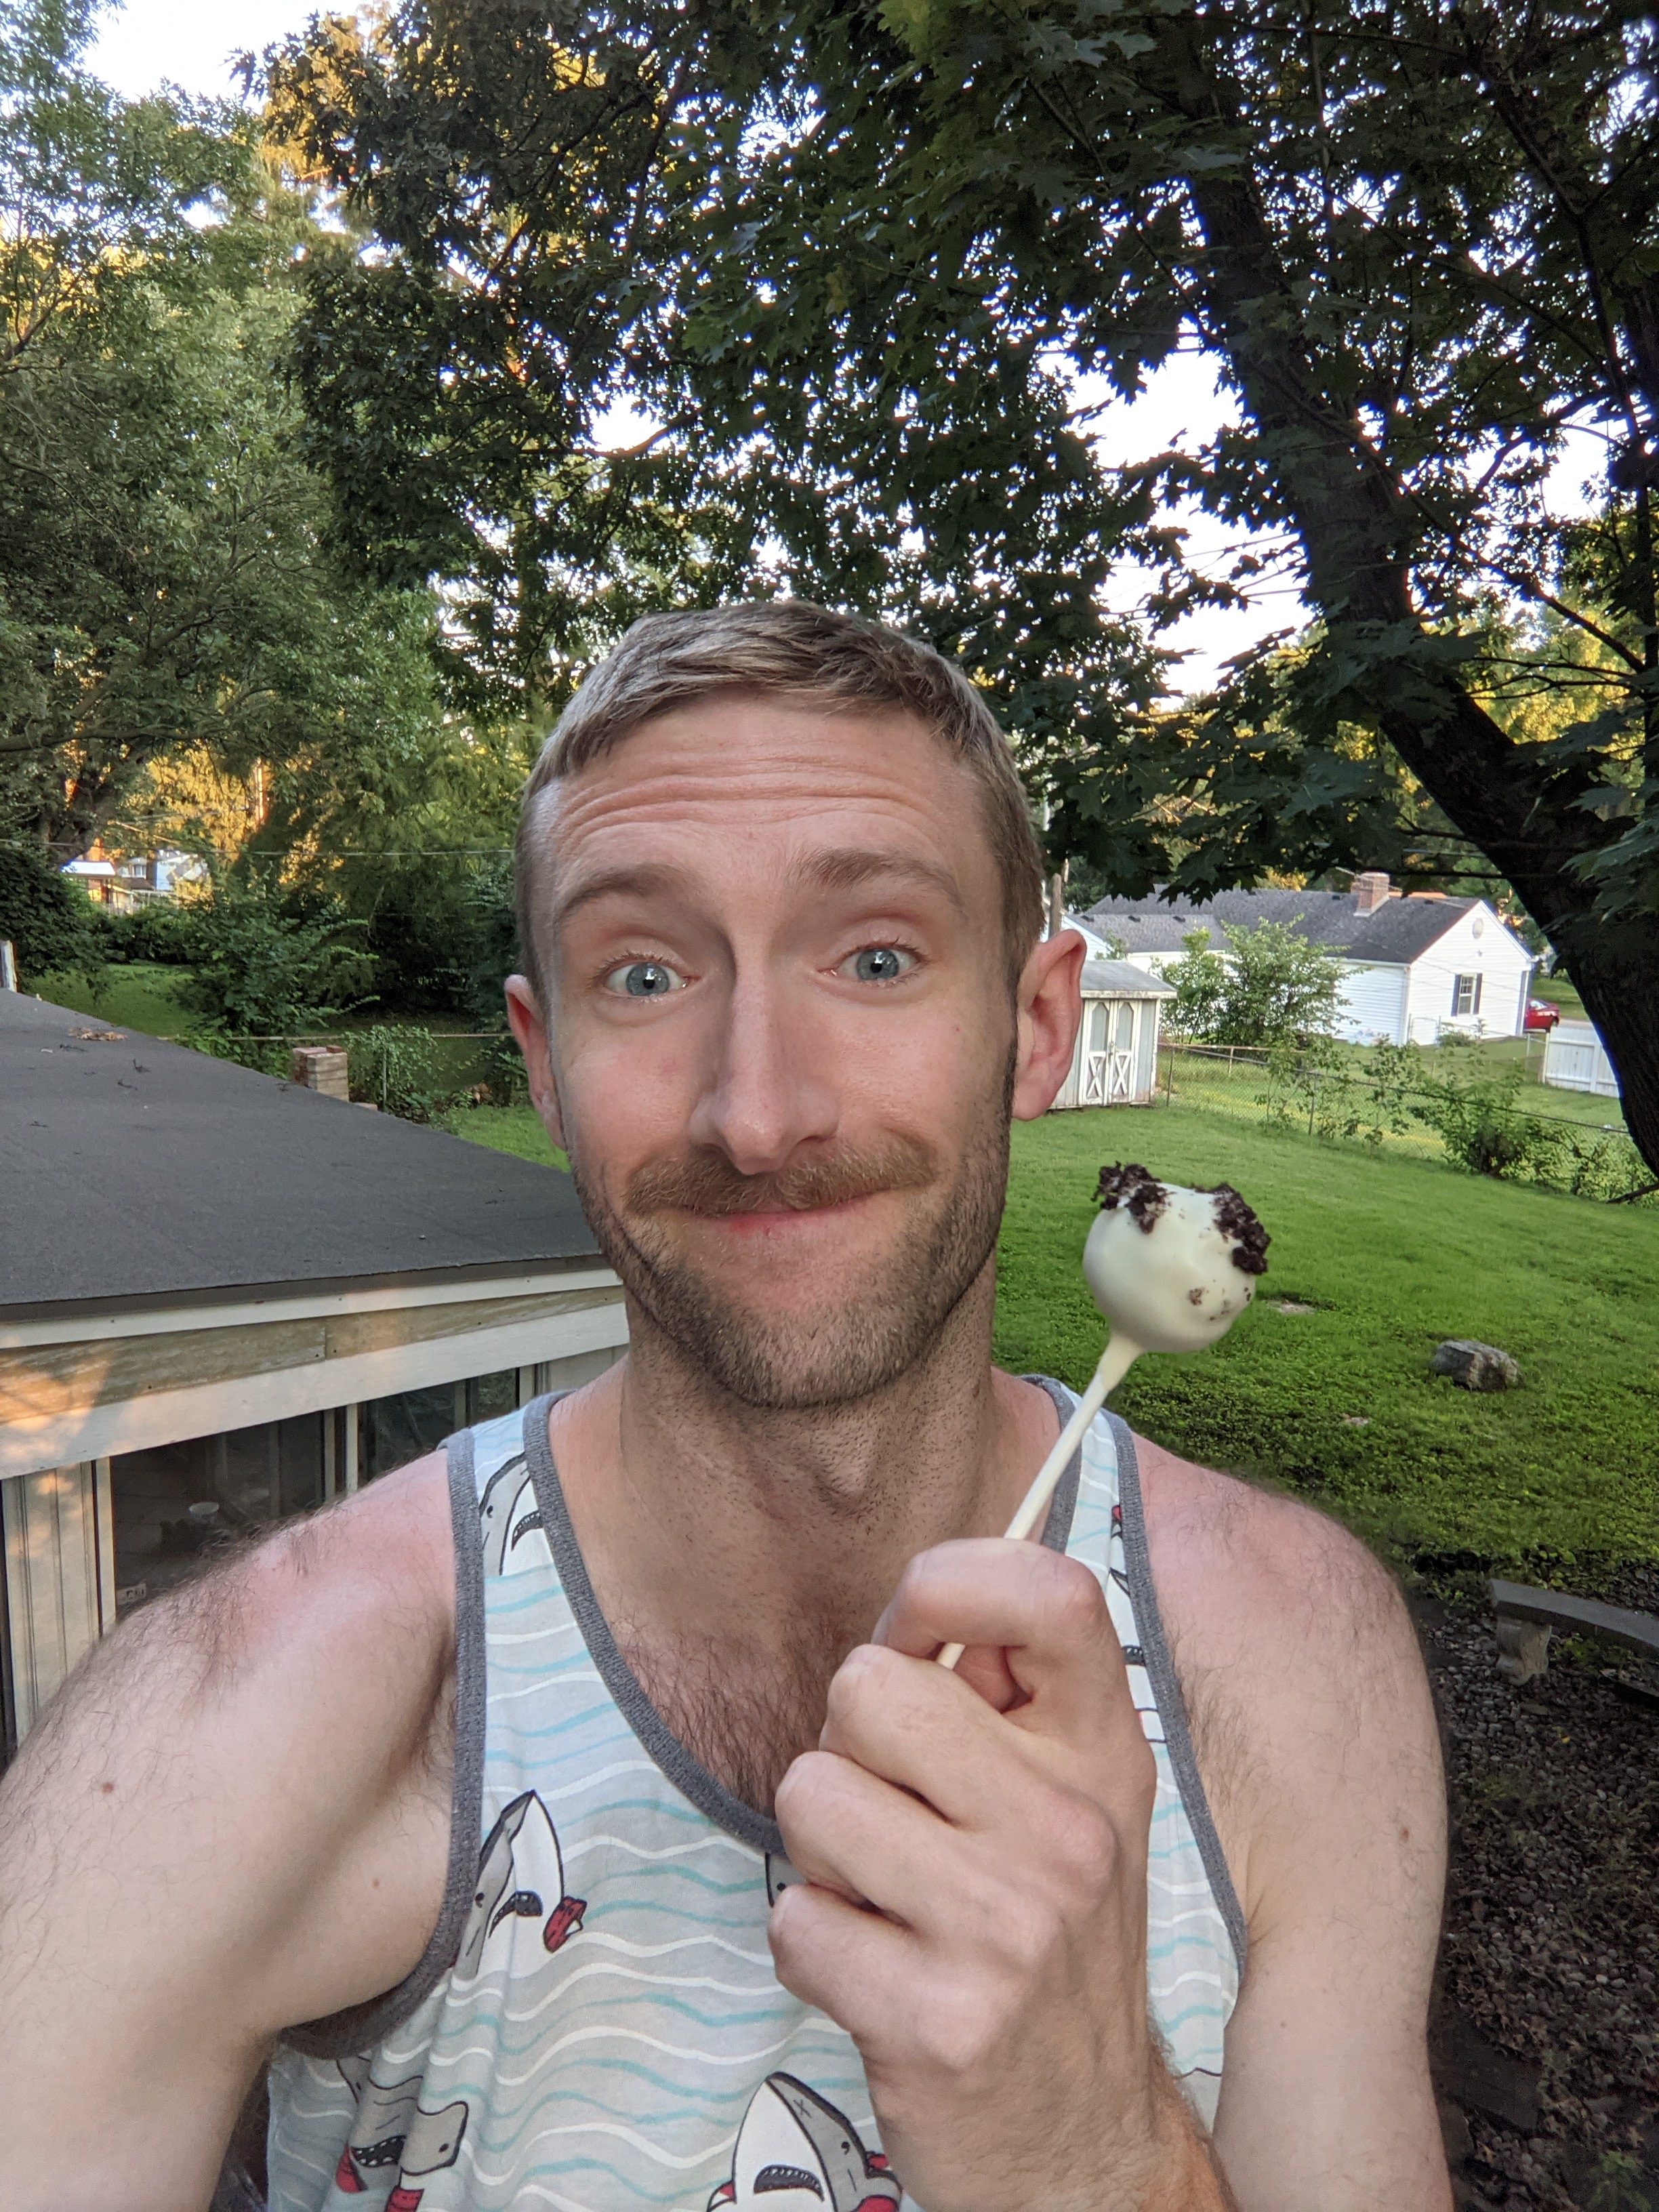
730 1541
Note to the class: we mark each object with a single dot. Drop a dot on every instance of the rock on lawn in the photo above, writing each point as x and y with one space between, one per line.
1475 1366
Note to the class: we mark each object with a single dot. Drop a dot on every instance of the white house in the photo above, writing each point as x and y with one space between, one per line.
1416 966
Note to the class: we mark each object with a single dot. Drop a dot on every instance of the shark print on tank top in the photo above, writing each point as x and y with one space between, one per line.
596 2025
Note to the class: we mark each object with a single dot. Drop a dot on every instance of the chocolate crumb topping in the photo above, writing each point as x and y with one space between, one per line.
1136 1188
1235 1220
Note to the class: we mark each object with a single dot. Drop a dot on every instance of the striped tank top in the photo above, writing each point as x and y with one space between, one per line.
596 2025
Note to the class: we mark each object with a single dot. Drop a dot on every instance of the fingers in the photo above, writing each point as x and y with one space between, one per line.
917 1726
850 1832
860 1969
1047 1614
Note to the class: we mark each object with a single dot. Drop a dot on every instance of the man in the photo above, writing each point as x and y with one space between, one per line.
583 1822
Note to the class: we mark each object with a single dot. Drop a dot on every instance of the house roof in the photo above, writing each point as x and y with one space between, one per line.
1394 934
135 1170
1117 978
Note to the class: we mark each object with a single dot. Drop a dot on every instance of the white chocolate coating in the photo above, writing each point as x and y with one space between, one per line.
1172 1287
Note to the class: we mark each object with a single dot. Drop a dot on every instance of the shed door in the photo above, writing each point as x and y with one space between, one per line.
1120 1054
1096 1015
1108 1053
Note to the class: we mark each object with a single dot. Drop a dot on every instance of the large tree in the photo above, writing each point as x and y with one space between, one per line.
849 259
164 585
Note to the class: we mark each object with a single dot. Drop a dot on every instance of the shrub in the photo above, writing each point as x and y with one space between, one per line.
261 969
1485 1129
171 933
1270 988
51 922
397 1067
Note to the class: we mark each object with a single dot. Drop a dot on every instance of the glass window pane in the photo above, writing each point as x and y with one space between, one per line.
489 1397
399 1429
175 1504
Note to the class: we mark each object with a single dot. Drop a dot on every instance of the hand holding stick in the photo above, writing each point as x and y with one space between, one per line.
1169 1268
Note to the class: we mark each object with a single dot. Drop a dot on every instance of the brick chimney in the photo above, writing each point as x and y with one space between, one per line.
1371 891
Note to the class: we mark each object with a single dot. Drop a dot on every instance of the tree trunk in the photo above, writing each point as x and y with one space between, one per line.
1514 806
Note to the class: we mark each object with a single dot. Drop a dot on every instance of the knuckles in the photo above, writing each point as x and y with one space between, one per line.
1060 1600
1071 1605
867 1677
808 1799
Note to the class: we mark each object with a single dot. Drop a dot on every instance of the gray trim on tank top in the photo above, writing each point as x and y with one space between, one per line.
361 2026
356 2030
682 1767
1166 1689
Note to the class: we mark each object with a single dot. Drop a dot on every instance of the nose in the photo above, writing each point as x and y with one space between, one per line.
770 1087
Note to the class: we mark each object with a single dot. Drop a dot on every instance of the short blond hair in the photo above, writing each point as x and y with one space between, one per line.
790 649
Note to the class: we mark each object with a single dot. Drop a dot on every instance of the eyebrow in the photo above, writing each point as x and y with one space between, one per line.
848 868
615 882
843 868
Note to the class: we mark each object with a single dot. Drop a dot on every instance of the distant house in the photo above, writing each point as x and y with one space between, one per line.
1114 1060
125 881
1415 967
224 1298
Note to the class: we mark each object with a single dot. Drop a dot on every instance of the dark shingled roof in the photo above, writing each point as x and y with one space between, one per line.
1395 933
135 1170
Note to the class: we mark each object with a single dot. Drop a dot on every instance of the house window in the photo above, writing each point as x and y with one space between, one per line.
1466 994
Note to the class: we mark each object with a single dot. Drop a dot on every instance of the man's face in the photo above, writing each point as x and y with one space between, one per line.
783 1041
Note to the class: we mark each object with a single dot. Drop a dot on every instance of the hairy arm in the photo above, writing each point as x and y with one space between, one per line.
232 1819
1317 1737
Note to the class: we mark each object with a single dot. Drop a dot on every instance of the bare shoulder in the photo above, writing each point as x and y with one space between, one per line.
255 1768
1310 1708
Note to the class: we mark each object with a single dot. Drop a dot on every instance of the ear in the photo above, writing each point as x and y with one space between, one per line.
524 1018
1051 1007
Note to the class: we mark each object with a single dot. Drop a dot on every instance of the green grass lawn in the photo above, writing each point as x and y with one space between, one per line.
507 1129
141 995
1393 1254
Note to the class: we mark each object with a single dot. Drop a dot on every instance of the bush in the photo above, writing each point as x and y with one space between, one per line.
1318 1085
51 922
396 1068
170 933
1326 1090
1485 1129
1271 988
261 969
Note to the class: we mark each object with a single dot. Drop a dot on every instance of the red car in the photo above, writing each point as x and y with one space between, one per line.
1541 1015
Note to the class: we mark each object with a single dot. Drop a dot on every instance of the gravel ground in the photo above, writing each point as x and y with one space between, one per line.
1546 2028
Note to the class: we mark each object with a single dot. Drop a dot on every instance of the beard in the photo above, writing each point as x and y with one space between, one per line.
788 1363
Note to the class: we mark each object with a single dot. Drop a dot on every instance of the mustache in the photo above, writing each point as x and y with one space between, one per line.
708 1183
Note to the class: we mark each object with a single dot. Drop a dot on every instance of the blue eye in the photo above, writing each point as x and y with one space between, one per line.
644 979
881 963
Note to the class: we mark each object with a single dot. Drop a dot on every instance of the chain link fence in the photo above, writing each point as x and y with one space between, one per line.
1489 1120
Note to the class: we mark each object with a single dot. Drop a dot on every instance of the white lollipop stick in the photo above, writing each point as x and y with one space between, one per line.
1169 1268
1116 1361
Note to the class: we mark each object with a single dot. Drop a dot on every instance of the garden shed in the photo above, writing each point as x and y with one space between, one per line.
1114 1060
225 1298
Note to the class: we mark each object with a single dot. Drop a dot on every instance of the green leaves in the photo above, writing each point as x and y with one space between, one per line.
163 584
847 259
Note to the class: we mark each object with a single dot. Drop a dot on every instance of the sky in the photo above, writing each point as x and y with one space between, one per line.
191 44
